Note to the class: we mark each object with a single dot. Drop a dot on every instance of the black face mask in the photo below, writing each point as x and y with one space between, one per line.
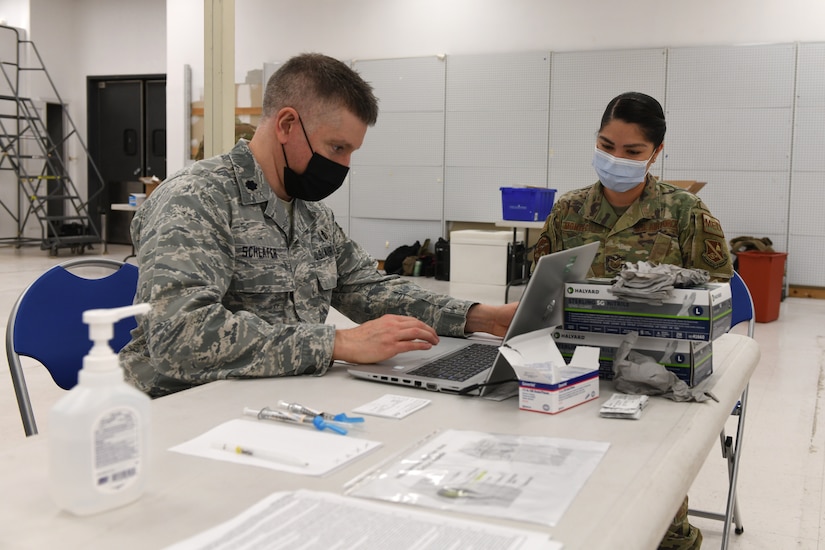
321 178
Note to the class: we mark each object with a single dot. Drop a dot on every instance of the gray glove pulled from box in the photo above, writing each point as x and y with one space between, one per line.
646 282
638 374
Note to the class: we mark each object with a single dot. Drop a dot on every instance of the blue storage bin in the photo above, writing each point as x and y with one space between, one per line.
530 204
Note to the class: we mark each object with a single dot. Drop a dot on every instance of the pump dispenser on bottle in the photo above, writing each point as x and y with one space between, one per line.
99 431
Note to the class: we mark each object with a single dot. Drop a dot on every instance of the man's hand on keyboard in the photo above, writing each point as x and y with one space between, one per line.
382 338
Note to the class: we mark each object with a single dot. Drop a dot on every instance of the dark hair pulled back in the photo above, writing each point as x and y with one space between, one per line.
641 109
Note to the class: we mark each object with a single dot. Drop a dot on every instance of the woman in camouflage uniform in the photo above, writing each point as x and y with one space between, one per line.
634 215
638 218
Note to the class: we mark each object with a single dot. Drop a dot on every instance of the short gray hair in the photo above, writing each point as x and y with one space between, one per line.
313 82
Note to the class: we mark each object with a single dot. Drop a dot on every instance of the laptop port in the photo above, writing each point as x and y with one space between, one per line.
417 383
431 386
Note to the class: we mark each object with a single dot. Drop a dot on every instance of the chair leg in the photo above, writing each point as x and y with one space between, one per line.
732 514
22 393
731 450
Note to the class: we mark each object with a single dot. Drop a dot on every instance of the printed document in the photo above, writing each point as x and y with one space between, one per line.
309 520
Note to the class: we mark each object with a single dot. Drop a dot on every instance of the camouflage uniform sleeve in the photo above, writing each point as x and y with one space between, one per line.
186 258
363 293
550 239
704 244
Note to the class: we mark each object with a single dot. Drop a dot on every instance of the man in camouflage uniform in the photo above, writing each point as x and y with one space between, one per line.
241 262
666 225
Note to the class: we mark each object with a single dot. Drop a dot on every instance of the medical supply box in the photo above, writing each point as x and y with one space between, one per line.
701 313
480 256
547 383
554 397
690 361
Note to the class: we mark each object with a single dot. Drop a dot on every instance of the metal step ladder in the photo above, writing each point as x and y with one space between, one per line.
45 193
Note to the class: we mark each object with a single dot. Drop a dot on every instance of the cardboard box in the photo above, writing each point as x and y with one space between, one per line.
149 184
701 313
691 185
548 384
480 256
691 361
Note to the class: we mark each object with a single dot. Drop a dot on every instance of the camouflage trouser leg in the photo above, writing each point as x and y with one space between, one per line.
681 535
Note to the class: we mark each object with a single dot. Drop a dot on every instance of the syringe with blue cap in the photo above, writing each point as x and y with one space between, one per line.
283 416
297 408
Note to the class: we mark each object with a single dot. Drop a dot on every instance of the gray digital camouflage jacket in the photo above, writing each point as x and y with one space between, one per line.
233 296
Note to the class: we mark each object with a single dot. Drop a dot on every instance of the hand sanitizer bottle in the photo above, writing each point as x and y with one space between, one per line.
99 431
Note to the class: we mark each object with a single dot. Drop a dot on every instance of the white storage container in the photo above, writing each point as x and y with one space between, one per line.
480 256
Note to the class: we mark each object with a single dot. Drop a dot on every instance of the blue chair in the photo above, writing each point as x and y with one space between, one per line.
46 323
742 305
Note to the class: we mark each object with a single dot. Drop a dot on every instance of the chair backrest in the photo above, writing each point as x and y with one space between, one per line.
46 323
742 303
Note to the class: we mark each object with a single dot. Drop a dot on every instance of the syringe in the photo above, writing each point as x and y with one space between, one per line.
283 416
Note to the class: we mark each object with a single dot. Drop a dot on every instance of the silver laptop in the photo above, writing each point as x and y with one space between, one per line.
476 366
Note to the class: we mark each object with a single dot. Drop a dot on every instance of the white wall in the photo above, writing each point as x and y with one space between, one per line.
83 38
79 38
184 28
273 30
15 13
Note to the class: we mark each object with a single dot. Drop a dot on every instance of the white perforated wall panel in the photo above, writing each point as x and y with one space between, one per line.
729 194
581 86
398 173
496 130
730 114
400 192
806 262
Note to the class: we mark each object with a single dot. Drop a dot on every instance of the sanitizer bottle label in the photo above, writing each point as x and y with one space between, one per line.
116 449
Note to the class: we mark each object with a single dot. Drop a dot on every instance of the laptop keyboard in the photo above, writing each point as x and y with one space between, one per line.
461 365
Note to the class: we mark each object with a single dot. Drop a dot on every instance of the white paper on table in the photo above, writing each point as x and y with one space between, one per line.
524 478
323 452
313 520
392 406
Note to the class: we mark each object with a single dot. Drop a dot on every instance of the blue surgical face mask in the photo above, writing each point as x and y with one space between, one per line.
619 174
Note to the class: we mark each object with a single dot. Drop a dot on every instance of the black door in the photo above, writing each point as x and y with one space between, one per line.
127 141
121 136
156 129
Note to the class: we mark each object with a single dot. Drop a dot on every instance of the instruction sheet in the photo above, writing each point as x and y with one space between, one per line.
524 478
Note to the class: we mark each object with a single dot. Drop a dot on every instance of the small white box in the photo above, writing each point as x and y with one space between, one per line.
480 256
546 383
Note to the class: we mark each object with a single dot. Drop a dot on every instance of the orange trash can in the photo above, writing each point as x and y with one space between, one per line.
763 272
